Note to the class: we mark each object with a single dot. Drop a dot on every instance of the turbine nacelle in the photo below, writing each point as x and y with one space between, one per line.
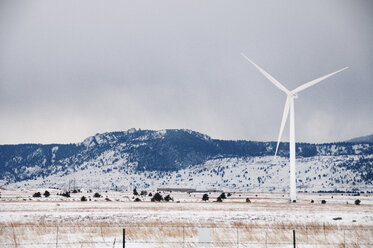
295 96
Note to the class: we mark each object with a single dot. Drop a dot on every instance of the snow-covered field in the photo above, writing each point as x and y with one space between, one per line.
25 219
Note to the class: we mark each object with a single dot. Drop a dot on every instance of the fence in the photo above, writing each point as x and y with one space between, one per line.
183 236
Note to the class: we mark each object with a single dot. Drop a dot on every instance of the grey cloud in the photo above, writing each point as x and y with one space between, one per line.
70 69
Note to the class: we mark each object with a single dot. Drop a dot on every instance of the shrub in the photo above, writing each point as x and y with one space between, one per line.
107 199
312 201
323 202
97 195
222 196
205 197
46 193
137 200
150 194
66 194
37 194
248 200
75 191
168 198
135 192
144 192
83 198
219 199
357 202
229 194
157 197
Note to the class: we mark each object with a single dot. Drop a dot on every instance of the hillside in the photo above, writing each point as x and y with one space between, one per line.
147 158
362 139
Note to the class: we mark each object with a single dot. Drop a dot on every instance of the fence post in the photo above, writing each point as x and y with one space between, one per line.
294 245
57 237
124 237
183 236
344 238
238 239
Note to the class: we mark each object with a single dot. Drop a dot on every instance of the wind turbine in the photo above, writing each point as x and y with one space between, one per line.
289 106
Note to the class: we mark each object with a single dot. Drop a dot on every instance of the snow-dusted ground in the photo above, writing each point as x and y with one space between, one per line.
265 208
102 220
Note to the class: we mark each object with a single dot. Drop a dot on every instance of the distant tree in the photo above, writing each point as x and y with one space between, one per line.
219 199
323 202
229 194
248 200
143 192
75 191
168 198
357 202
46 193
312 201
97 195
157 197
150 194
37 194
222 196
205 197
135 192
83 198
137 200
66 194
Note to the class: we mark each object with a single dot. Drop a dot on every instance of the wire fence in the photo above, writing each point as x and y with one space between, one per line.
131 236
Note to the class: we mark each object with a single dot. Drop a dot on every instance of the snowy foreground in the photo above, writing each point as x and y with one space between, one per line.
265 222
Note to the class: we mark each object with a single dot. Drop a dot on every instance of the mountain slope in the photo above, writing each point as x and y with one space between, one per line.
362 139
121 157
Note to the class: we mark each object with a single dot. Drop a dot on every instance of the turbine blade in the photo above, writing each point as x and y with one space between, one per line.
269 77
313 82
283 122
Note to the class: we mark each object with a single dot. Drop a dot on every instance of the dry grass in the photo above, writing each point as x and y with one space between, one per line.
152 223
220 236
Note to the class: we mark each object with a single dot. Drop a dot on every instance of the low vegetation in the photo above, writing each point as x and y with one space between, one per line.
168 198
222 196
205 197
157 197
66 194
37 194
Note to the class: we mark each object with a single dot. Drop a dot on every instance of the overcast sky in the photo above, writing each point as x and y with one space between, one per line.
71 69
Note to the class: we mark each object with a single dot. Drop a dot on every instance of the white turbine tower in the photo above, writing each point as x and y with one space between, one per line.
289 105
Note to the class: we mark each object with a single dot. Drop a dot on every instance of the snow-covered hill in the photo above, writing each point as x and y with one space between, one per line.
362 139
148 159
